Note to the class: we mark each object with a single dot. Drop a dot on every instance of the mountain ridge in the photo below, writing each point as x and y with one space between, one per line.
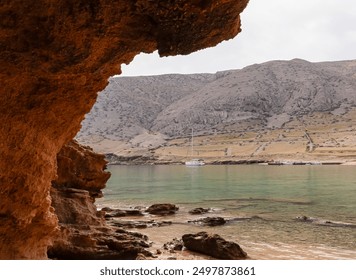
173 104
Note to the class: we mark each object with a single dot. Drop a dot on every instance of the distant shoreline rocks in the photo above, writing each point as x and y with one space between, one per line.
114 159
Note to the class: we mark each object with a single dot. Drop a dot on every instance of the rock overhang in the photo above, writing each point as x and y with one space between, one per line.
55 56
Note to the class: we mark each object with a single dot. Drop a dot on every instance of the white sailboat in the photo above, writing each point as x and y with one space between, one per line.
194 161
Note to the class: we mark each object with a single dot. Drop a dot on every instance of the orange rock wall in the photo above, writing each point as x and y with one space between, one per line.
55 55
80 178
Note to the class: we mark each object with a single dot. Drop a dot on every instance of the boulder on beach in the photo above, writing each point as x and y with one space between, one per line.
162 209
199 211
214 246
174 245
210 221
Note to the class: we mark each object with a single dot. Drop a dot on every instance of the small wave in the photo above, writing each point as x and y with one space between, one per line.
258 199
322 222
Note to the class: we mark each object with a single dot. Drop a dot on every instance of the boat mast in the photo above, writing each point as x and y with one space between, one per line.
192 144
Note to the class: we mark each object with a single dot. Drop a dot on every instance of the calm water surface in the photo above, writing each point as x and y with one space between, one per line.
271 197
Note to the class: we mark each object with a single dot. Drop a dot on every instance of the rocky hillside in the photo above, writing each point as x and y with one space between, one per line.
130 106
259 96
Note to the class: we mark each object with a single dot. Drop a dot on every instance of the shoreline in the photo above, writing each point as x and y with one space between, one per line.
237 162
176 225
143 159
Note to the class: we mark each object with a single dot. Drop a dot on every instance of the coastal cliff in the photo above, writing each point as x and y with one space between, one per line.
55 56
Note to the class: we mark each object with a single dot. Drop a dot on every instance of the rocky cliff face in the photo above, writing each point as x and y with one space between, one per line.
54 58
81 177
83 232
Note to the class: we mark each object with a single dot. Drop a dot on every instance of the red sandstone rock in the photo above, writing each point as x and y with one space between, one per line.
84 233
55 55
79 167
81 176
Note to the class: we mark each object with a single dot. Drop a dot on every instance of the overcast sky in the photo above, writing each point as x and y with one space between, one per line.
314 30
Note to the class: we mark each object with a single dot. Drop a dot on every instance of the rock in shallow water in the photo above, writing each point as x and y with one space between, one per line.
199 211
322 222
209 221
162 209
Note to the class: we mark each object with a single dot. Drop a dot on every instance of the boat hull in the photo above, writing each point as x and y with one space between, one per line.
194 163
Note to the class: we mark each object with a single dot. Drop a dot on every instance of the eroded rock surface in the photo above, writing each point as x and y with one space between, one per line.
54 58
83 233
81 177
98 243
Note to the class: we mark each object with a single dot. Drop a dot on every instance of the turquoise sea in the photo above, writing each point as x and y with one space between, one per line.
262 203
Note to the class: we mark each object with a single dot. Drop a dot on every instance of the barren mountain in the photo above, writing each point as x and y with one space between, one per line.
145 111
173 104
129 106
